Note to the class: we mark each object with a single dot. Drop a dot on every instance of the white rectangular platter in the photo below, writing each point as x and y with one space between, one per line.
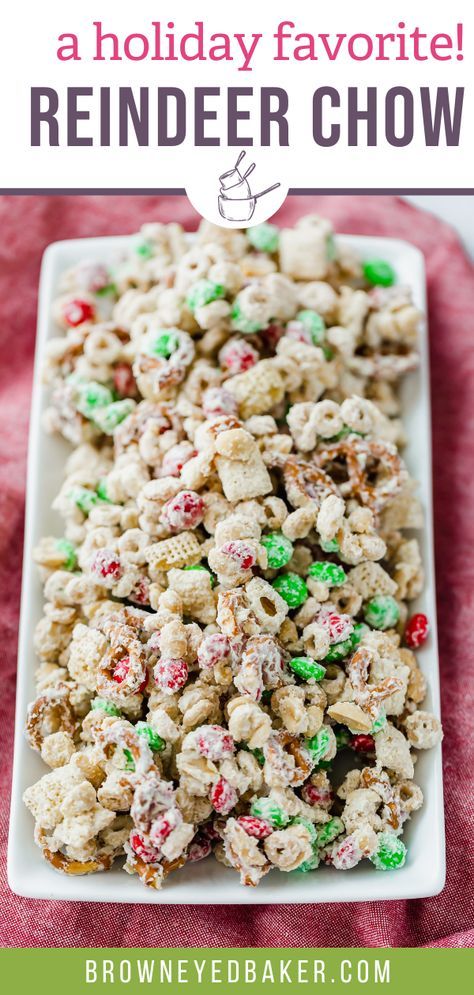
208 882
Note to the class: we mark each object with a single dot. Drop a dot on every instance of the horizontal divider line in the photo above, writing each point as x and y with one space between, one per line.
174 191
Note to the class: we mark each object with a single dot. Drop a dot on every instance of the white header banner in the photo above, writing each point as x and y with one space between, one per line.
237 103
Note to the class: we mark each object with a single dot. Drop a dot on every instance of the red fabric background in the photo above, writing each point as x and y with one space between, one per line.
28 224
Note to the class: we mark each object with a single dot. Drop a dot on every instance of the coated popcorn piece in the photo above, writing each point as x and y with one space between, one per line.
195 590
393 751
57 749
53 633
300 709
305 369
237 549
248 722
258 389
71 823
87 650
228 602
243 852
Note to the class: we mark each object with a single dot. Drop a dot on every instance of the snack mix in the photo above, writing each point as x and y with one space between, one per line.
226 656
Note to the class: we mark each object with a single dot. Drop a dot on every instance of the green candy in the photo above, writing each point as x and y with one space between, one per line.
204 292
110 288
240 323
102 490
329 545
279 549
108 418
327 573
292 588
155 742
145 250
264 237
200 566
258 754
379 723
92 396
265 808
67 549
382 612
318 745
101 705
328 831
379 272
130 763
339 651
163 343
84 499
307 669
312 323
390 853
343 434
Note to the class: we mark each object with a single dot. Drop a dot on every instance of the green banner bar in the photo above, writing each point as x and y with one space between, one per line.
203 970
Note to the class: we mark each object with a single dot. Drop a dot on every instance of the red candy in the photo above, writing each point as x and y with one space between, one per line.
161 828
210 833
416 630
92 276
272 335
215 743
259 828
238 356
122 670
141 592
184 511
346 855
171 675
76 312
313 795
213 648
199 849
362 743
107 564
223 797
296 330
124 380
240 552
338 627
175 458
218 401
146 853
